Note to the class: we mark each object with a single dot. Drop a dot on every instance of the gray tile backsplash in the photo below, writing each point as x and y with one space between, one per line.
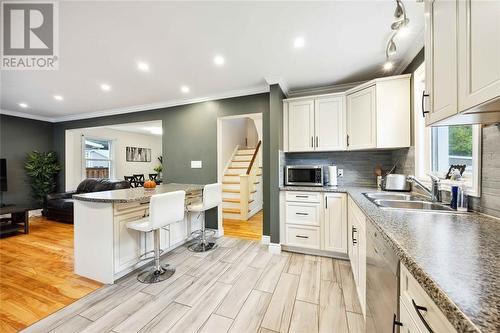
359 166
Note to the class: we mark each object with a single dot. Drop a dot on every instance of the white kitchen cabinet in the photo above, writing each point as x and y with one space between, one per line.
420 307
462 62
440 60
301 125
127 242
408 324
378 114
478 53
335 223
329 124
357 249
315 124
307 226
361 119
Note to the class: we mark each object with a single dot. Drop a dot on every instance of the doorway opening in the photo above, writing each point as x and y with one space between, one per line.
239 170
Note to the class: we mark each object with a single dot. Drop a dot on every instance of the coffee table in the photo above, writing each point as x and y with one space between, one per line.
18 219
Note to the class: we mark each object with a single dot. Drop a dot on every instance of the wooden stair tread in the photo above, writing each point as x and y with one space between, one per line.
236 167
232 210
241 160
233 174
234 200
235 191
230 182
244 154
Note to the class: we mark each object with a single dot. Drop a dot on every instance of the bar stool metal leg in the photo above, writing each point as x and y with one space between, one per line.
158 272
203 244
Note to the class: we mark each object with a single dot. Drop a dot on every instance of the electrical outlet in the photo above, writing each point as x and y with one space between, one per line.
340 173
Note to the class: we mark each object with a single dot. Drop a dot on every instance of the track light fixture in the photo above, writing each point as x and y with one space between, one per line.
399 24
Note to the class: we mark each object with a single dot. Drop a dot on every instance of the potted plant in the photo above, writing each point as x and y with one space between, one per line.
42 169
159 168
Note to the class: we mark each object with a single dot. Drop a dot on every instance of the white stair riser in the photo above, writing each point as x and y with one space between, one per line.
230 195
240 164
235 205
231 186
242 158
245 151
231 179
232 216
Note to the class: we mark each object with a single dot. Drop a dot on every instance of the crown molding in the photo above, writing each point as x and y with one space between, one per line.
144 107
26 115
331 89
279 81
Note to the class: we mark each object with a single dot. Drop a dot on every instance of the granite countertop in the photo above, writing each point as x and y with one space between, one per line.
135 194
454 257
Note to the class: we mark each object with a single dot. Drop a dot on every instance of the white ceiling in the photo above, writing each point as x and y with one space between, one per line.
146 127
101 42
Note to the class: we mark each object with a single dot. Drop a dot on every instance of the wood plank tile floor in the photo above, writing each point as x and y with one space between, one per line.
238 287
36 274
251 229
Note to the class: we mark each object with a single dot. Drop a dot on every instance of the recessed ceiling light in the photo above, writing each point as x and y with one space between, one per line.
299 42
185 89
143 66
219 60
23 105
388 65
58 97
105 87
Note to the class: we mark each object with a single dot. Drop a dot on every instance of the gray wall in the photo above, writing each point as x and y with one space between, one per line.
19 136
273 142
189 133
359 166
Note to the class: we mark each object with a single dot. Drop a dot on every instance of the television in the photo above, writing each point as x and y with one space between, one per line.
3 175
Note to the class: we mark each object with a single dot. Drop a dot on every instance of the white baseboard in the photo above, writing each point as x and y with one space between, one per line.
274 248
266 240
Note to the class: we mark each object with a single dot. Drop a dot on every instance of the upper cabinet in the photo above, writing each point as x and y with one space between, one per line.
462 54
378 114
373 115
315 124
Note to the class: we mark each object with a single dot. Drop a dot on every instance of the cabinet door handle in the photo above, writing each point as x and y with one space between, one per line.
300 236
418 309
347 140
302 196
298 213
312 142
326 203
317 142
424 95
395 323
354 240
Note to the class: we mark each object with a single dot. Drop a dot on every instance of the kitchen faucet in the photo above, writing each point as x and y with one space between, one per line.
434 192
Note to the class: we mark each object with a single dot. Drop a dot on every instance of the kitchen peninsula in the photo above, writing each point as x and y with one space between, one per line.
105 249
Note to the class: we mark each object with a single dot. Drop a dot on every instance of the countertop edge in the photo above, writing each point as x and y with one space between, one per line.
450 310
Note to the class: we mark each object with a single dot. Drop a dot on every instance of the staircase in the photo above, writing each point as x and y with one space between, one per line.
242 184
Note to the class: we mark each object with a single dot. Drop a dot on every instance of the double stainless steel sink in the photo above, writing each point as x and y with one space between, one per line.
411 202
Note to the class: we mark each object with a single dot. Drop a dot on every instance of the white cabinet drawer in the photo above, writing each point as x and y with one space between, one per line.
413 296
303 196
303 236
302 213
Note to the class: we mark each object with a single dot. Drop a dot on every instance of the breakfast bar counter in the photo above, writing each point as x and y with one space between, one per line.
105 249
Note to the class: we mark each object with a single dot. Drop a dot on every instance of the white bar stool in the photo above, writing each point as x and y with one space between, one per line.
164 209
212 197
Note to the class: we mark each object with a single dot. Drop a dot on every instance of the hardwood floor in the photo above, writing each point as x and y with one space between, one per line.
251 229
36 274
238 287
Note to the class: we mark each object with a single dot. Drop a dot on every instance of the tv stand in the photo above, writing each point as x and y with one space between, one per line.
19 218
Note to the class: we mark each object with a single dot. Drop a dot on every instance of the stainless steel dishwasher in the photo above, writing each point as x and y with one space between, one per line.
382 283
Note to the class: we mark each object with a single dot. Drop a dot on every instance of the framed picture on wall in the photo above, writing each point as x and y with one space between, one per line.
136 154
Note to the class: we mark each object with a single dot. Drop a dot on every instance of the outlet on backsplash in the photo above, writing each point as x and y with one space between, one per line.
340 173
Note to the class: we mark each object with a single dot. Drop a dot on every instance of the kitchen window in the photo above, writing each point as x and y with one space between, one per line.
437 148
97 158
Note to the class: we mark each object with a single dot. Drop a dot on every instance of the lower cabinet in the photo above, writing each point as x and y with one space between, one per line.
316 221
418 312
357 249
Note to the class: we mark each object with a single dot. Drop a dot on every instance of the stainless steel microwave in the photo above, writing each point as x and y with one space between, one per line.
305 175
